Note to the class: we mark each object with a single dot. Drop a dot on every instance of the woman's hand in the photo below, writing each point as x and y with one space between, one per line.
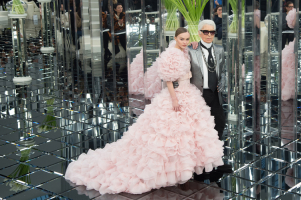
174 99
120 22
175 105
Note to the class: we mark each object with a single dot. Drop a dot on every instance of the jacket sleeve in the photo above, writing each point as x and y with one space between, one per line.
284 22
223 79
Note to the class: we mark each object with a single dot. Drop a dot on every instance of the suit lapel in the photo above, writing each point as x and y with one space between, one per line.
199 56
217 54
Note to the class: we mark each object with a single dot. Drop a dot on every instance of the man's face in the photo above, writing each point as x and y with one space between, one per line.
209 37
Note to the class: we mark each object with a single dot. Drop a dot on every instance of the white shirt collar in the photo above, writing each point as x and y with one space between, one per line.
207 45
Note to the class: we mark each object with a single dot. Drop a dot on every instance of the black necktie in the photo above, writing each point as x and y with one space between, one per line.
212 79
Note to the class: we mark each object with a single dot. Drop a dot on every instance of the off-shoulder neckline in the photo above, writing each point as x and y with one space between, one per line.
184 52
180 49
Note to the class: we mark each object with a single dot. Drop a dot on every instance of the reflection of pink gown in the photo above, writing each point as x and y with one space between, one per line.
289 180
137 78
288 64
163 147
288 72
288 92
136 74
287 123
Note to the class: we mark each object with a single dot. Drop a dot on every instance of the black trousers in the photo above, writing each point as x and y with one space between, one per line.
287 36
211 99
106 39
122 39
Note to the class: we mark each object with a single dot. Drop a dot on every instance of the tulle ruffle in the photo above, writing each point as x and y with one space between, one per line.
136 78
289 180
291 18
136 74
153 84
288 72
153 81
287 123
161 149
173 64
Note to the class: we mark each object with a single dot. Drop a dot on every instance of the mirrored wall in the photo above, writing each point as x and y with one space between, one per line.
262 44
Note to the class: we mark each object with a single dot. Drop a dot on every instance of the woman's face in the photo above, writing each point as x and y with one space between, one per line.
119 9
219 11
183 40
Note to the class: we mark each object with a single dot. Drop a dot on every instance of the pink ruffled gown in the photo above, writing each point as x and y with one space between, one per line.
136 74
163 147
288 63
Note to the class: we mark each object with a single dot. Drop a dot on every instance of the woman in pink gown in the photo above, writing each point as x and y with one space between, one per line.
171 140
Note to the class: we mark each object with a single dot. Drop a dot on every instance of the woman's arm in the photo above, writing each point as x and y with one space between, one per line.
174 99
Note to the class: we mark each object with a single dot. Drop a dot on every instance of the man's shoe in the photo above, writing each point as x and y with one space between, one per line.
215 176
201 177
225 168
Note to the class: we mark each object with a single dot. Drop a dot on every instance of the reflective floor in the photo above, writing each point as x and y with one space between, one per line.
64 112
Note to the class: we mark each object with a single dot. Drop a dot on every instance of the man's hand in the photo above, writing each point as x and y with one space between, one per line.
216 2
220 87
175 84
194 45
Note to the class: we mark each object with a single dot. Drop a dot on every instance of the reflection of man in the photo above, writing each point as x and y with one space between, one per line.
208 75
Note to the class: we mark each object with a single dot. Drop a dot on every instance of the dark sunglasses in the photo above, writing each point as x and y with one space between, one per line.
206 32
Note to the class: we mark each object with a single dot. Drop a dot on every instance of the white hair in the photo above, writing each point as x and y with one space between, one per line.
206 22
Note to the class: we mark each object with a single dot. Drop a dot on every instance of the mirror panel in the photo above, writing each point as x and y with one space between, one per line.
134 27
151 46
